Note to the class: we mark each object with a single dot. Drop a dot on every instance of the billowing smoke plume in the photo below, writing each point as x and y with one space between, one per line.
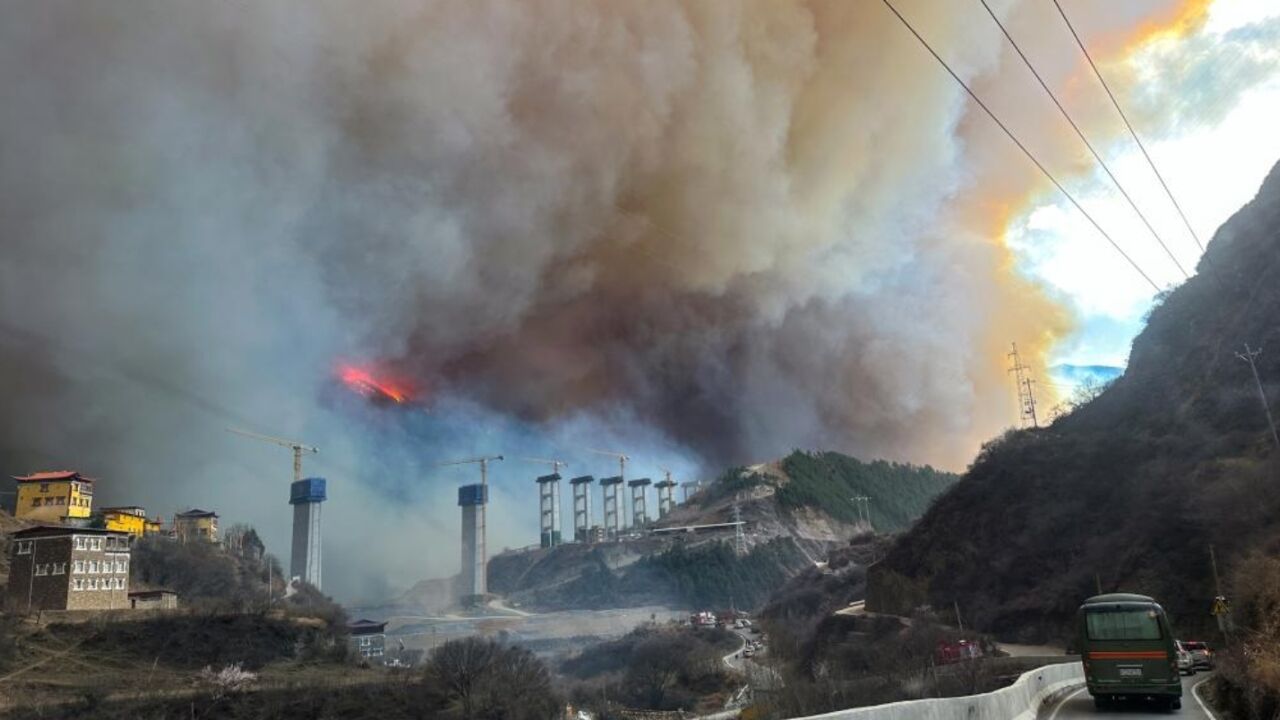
707 231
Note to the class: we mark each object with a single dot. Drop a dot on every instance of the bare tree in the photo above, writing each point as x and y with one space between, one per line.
459 667
489 680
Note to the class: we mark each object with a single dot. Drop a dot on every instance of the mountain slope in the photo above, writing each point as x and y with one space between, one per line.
1129 491
795 510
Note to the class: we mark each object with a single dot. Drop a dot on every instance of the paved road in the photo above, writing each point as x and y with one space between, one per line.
734 659
1079 706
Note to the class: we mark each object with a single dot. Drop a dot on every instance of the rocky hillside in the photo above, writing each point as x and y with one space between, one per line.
1129 491
795 510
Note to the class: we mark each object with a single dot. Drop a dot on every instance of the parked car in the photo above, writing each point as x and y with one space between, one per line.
1186 664
1201 655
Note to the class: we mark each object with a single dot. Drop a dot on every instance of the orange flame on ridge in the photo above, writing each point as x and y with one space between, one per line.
366 383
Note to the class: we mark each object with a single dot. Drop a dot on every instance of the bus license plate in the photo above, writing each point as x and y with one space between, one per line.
1130 672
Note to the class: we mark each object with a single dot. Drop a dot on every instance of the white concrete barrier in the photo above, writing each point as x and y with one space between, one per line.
1019 701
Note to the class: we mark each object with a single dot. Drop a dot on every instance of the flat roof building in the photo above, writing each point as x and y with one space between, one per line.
130 519
68 568
153 600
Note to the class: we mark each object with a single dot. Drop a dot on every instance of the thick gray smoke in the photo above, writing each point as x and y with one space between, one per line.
704 233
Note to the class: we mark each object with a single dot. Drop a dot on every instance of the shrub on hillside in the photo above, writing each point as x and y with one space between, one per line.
1249 674
203 574
473 678
654 667
194 641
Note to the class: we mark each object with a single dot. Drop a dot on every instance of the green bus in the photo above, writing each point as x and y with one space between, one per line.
1128 650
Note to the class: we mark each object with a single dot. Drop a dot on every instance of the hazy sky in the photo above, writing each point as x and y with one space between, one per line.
1211 100
701 233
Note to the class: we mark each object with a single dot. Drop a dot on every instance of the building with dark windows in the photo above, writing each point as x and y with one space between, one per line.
368 640
68 568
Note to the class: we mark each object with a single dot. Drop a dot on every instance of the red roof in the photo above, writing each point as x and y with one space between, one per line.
52 475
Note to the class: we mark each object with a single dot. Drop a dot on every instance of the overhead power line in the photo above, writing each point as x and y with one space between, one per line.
1021 147
1133 133
1080 133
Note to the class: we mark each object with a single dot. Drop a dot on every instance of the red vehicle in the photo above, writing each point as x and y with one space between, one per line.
950 652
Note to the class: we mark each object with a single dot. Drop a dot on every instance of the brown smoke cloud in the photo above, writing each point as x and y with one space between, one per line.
744 227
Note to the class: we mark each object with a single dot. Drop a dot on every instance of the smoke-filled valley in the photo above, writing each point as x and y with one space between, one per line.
703 234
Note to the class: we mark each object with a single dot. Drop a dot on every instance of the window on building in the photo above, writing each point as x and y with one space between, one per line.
122 567
35 502
79 542
366 641
42 569
376 652
24 547
95 543
61 500
59 568
77 584
44 487
77 567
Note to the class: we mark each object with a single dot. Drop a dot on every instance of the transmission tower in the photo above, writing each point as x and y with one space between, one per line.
1026 391
1248 356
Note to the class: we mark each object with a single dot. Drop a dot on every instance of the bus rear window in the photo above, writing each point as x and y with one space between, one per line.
1123 625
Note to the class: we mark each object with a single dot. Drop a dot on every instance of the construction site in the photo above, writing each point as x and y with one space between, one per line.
624 516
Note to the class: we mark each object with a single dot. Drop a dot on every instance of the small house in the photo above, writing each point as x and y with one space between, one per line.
153 600
368 639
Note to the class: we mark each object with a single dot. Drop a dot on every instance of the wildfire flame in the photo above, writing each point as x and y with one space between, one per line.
363 381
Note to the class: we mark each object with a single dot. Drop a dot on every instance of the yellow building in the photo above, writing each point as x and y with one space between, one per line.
196 525
153 526
132 520
54 496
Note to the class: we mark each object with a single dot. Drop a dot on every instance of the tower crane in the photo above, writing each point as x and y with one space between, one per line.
622 459
484 461
297 447
555 464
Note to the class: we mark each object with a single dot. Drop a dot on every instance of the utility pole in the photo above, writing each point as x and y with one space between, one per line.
1213 561
1026 394
959 622
739 540
1248 356
1221 610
